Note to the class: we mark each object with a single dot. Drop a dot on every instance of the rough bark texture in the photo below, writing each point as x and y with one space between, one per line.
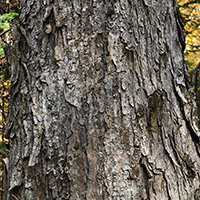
100 104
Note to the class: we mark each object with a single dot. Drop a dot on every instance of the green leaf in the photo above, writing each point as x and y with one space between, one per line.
9 17
189 64
4 25
6 19
1 52
2 78
3 145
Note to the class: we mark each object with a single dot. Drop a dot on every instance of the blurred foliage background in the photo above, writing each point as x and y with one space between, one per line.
190 11
9 9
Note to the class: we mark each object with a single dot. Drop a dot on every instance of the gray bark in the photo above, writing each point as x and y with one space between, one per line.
101 106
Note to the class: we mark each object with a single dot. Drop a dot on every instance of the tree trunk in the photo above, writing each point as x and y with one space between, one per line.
101 106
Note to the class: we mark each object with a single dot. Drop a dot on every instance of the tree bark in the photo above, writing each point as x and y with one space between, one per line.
101 106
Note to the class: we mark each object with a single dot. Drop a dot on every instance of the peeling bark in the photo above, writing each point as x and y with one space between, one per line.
101 106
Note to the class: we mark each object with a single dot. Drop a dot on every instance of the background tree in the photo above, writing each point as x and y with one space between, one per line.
7 14
101 105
